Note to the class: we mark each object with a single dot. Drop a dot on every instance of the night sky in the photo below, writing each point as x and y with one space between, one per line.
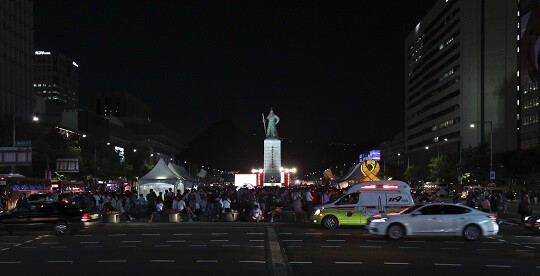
331 70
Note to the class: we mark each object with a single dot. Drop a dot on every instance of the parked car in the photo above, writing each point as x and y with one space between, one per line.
533 223
435 219
59 217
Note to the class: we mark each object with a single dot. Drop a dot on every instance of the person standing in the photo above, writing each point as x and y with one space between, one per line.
151 201
525 206
486 205
309 202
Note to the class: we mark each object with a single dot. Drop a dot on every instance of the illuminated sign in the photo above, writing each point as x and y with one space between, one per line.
373 155
42 53
120 152
75 64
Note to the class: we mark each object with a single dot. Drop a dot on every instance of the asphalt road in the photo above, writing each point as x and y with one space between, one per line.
200 248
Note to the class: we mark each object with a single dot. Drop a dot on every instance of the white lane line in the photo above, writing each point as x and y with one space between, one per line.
339 234
370 246
94 246
162 261
219 234
257 246
52 262
492 242
207 261
219 240
19 244
447 264
335 240
389 263
256 240
28 247
9 243
285 233
524 250
130 241
177 241
523 236
50 243
4 249
162 245
448 248
414 241
151 234
409 247
255 233
80 235
182 234
348 262
11 262
11 236
112 261
253 262
115 235
230 245
28 241
503 266
89 242
313 233
330 246
531 242
502 240
531 247
291 240
197 245
300 262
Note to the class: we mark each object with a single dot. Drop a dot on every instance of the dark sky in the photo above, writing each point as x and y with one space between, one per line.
332 70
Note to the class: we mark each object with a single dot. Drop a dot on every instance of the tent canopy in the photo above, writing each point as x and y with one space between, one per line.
160 179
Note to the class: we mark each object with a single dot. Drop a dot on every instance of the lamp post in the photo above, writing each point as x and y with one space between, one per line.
490 141
34 119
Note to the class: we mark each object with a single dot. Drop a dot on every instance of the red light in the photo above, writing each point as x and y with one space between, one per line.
369 187
85 217
492 217
385 186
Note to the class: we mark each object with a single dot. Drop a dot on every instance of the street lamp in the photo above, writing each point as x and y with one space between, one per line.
472 125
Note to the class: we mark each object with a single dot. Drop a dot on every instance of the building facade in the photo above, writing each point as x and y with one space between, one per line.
56 80
460 69
16 53
529 73
118 104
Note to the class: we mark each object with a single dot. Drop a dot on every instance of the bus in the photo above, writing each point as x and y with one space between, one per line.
66 186
13 185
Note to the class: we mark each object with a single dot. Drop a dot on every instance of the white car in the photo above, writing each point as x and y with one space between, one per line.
435 219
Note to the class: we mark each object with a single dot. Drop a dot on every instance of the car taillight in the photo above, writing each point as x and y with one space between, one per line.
494 218
85 217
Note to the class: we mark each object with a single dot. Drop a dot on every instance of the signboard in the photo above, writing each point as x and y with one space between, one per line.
15 156
373 155
23 143
492 175
67 165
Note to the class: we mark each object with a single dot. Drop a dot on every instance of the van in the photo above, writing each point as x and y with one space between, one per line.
362 201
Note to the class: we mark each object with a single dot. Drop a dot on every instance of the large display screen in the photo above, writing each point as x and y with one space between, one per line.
529 47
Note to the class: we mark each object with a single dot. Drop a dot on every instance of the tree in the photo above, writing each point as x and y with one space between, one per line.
413 174
442 169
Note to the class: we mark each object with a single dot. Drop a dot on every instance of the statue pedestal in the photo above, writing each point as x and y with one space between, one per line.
272 161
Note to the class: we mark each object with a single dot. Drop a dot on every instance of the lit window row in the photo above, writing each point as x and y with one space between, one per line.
533 119
448 41
530 103
445 124
446 74
530 87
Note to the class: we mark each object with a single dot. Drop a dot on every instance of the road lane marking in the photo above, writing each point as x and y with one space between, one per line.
230 245
112 261
59 262
292 240
220 240
257 246
177 241
28 241
330 246
524 250
375 241
515 243
4 249
80 235
448 248
370 246
439 264
300 262
50 243
19 244
503 266
28 247
531 247
348 262
492 242
255 233
11 262
389 263
502 240
9 243
409 247
285 233
197 245
218 234
278 257
182 234
531 242
162 261
162 245
523 236
253 262
256 240
335 240
11 236
207 261
313 233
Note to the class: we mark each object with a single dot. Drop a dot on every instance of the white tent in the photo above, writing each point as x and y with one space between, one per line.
181 172
160 179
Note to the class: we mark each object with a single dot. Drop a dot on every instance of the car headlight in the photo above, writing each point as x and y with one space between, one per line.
527 218
379 220
317 212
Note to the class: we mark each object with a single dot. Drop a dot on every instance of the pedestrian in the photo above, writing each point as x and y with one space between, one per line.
256 213
297 208
151 207
309 202
524 208
486 205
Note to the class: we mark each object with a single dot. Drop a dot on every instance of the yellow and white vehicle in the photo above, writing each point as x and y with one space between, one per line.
362 201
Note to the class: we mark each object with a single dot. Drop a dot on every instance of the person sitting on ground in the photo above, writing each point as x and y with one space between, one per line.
256 213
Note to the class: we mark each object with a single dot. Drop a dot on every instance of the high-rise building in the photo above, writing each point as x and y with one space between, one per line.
56 80
16 53
529 73
460 69
118 104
